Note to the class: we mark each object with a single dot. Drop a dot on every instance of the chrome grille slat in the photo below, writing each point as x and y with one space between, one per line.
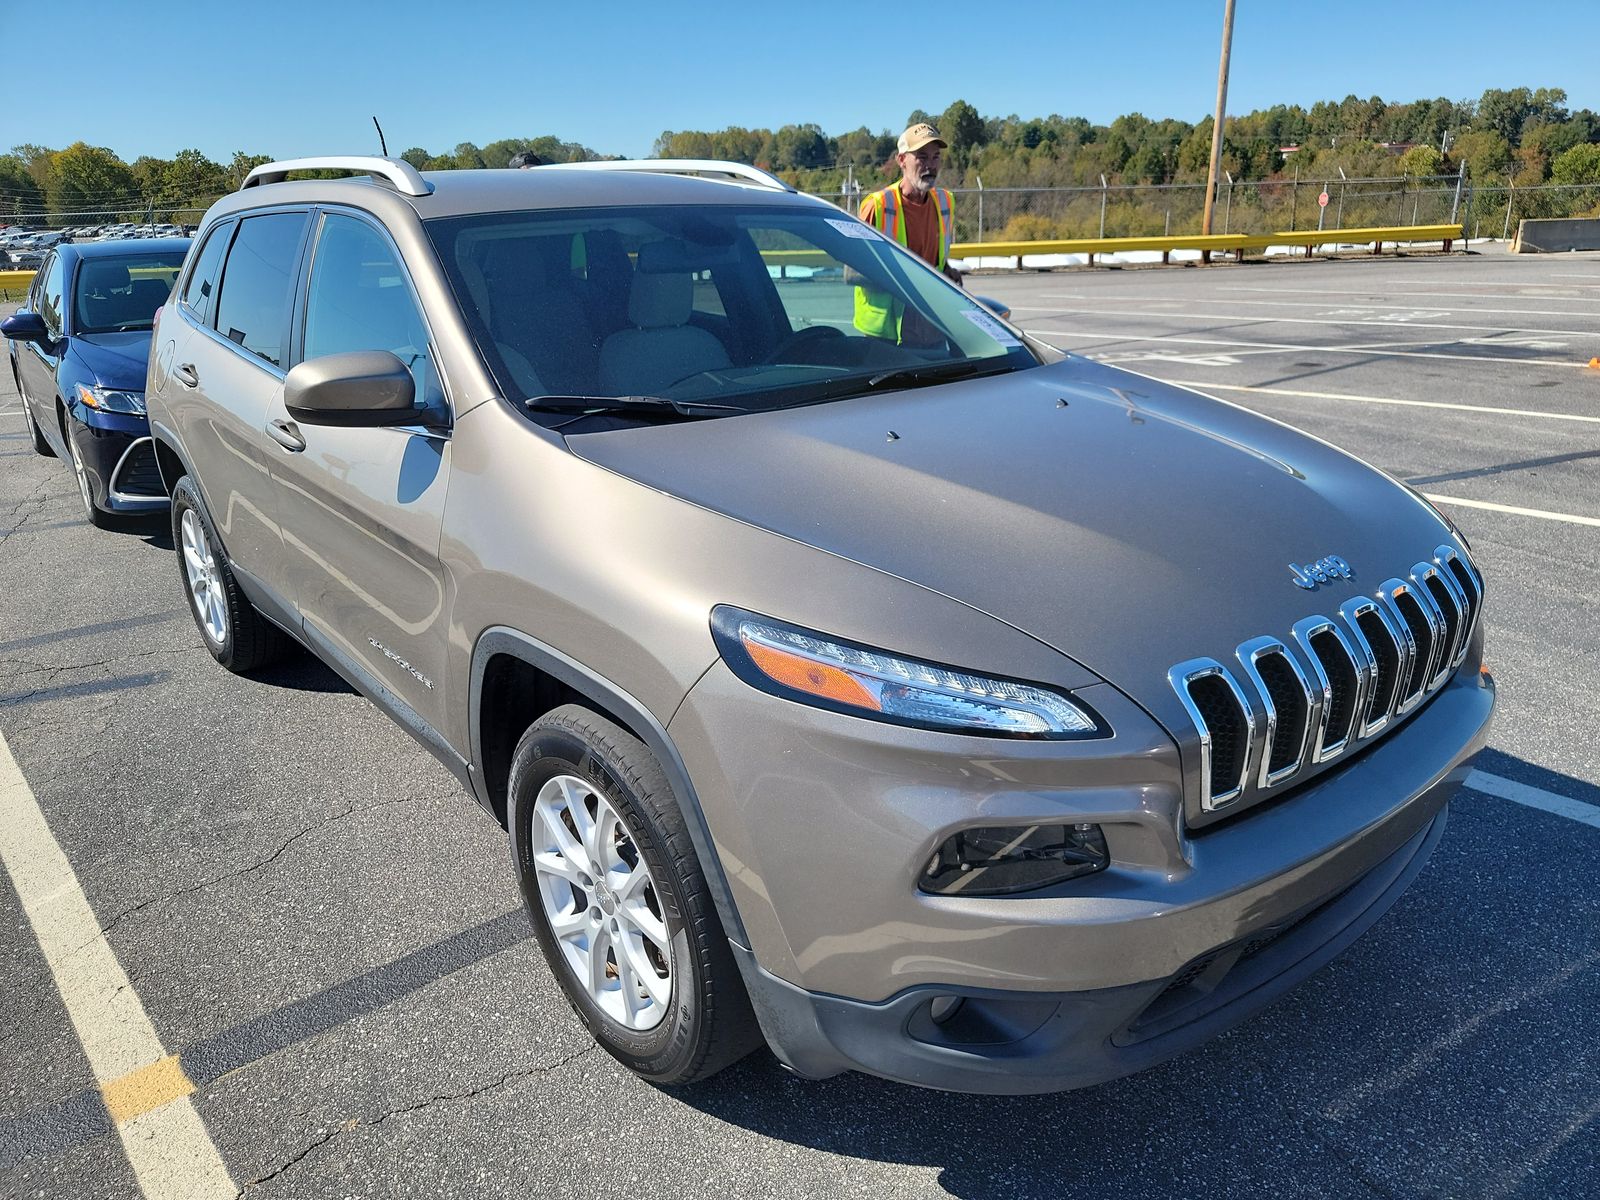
1406 697
1335 682
1308 634
1184 677
1286 727
1460 569
1362 615
1425 577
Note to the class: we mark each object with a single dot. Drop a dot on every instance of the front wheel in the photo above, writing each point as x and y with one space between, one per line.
97 516
238 637
619 902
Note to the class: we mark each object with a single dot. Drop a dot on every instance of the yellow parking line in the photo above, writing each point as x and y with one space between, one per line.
145 1089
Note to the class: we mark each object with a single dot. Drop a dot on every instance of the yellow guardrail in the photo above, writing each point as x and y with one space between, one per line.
1208 244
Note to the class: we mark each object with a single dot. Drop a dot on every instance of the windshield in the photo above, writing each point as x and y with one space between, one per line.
743 308
123 292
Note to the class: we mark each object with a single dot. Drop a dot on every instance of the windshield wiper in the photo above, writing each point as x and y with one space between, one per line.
930 373
583 404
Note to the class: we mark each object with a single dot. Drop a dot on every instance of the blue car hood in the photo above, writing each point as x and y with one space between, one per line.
116 360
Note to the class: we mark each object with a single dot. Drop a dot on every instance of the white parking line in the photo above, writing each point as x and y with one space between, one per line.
1291 320
1204 385
1378 293
1543 515
1339 304
1532 797
1366 351
145 1089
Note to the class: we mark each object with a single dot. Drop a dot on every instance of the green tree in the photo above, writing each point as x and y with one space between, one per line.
1421 161
241 164
1485 153
1579 165
89 178
416 156
191 179
962 129
18 192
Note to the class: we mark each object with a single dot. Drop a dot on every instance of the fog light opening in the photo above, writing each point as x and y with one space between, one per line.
1000 860
943 1008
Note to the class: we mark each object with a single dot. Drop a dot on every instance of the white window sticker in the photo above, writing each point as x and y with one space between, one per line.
854 229
990 326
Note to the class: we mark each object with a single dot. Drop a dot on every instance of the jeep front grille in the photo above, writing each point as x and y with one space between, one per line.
1336 682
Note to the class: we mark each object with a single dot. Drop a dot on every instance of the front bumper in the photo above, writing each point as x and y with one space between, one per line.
119 457
1181 938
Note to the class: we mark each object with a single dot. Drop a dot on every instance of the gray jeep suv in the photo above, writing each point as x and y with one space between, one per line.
898 690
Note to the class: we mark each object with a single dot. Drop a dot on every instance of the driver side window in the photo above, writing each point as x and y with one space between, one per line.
360 299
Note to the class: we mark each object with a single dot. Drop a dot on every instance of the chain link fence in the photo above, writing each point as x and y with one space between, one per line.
1256 207
1142 210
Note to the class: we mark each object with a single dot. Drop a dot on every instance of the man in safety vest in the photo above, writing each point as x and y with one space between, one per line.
914 213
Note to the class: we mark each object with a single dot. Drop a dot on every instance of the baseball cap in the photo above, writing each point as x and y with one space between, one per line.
918 136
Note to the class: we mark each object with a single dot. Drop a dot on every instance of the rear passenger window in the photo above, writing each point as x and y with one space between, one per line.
201 287
253 308
360 299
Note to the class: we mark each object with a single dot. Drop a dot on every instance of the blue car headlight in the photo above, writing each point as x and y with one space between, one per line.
111 400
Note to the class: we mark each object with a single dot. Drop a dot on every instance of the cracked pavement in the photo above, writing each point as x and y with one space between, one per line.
249 846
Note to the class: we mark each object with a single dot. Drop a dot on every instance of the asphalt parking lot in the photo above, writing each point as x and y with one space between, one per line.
316 919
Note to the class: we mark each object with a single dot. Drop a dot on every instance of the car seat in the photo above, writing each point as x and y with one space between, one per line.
662 348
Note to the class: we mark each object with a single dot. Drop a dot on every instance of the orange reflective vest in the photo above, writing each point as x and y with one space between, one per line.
878 313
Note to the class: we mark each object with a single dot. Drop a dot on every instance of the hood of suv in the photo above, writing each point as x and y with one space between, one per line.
1129 524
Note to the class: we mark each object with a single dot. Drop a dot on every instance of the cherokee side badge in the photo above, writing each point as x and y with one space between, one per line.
1324 570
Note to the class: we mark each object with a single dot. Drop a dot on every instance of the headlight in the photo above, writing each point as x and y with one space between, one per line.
815 669
107 400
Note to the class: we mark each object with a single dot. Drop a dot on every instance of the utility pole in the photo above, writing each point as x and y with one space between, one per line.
1222 108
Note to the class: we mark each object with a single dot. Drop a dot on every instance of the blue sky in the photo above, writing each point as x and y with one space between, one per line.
292 78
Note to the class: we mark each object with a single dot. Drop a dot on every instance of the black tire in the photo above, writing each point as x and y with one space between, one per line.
40 445
247 639
708 1023
93 513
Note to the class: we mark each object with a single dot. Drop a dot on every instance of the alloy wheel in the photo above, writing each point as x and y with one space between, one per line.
81 472
601 903
204 577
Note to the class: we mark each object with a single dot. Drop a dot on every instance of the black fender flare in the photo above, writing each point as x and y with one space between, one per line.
500 639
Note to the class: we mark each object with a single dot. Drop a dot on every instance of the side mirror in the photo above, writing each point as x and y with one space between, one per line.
363 387
25 327
998 307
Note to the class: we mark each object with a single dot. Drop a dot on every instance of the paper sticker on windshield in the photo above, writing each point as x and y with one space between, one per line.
990 326
853 229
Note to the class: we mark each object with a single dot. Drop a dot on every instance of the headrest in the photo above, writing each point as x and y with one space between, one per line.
105 276
659 301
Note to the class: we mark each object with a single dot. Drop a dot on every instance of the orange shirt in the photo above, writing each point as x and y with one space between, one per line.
922 227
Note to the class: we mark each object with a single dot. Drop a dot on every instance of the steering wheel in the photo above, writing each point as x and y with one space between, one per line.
800 337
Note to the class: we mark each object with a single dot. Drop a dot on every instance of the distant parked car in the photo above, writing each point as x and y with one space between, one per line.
78 350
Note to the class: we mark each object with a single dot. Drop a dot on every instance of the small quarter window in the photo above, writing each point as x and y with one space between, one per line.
253 307
201 287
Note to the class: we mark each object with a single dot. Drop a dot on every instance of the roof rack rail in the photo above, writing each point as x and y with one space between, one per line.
681 166
396 172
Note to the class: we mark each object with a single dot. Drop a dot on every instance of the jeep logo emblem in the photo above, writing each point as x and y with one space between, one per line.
1324 570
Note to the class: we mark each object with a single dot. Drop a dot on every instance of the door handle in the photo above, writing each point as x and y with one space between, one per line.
187 375
287 435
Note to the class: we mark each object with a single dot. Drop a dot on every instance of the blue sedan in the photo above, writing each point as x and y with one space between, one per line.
78 350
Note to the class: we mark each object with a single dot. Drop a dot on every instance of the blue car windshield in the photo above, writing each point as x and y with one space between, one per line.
725 307
120 293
